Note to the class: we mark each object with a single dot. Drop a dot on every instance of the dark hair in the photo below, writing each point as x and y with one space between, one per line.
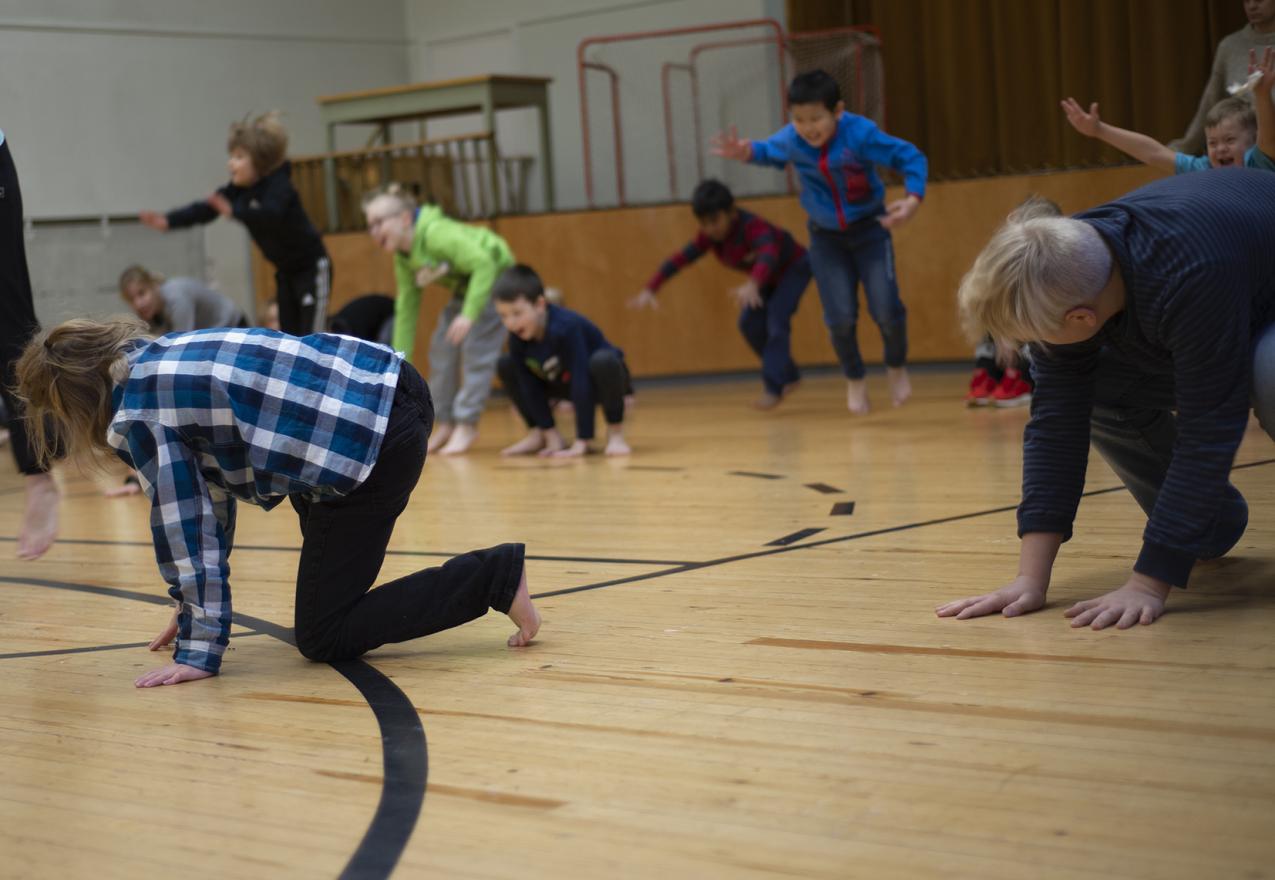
711 197
814 87
518 282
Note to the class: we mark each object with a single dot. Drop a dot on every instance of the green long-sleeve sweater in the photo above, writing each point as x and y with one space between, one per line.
474 256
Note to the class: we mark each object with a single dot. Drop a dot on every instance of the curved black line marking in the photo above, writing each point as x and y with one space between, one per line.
58 651
405 759
404 753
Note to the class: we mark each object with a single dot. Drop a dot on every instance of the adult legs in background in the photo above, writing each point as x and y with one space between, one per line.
17 324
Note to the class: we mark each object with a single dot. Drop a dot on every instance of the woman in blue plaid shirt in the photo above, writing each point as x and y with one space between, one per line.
337 425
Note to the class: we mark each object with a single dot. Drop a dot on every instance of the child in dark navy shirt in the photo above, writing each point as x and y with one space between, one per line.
557 353
778 274
260 195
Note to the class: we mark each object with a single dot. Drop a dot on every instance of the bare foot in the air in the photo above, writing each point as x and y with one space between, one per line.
900 384
523 613
857 396
40 522
442 433
463 437
616 444
533 442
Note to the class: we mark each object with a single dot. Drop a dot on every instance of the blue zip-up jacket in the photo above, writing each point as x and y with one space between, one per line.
839 185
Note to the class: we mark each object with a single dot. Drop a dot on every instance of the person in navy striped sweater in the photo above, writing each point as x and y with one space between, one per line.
1152 323
778 274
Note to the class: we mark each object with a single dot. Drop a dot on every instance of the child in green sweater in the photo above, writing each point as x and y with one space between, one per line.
430 248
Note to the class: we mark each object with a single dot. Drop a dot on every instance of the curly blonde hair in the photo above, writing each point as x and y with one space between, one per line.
65 377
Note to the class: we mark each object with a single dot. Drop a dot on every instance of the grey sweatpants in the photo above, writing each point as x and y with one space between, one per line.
468 367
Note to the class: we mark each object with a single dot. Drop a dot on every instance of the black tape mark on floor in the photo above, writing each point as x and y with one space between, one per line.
240 548
405 754
842 508
794 537
824 488
651 467
53 652
759 476
739 557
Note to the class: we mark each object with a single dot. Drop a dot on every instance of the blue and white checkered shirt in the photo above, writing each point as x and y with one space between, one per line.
214 415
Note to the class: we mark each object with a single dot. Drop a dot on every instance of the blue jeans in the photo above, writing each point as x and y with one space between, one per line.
1134 429
840 260
768 328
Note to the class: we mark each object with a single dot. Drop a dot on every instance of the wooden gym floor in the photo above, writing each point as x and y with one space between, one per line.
740 675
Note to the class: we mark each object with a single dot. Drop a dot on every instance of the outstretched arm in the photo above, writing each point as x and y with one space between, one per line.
1145 149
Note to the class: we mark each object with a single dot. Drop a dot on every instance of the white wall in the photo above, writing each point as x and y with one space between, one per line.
112 106
450 39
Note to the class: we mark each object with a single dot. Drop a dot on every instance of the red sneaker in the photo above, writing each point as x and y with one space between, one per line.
1013 390
981 387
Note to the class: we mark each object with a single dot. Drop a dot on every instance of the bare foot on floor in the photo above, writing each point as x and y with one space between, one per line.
900 384
533 442
767 401
442 432
463 437
523 613
857 396
616 445
40 523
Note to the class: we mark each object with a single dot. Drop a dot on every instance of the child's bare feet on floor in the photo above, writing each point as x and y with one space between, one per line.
900 384
40 522
523 613
442 433
857 396
533 442
616 444
463 437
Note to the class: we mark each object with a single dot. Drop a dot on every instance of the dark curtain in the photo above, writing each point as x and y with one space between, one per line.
976 83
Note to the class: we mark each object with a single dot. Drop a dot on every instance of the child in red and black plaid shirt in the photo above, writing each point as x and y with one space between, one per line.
778 274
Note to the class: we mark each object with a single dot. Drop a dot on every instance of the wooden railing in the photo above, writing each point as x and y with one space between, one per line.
452 172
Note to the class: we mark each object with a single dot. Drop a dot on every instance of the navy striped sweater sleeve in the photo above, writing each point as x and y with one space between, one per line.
1199 278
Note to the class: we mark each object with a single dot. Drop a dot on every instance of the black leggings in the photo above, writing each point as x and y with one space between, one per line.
17 308
338 615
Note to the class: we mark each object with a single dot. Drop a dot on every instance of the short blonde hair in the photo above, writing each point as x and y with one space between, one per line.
1036 268
1237 107
404 201
138 274
65 377
264 139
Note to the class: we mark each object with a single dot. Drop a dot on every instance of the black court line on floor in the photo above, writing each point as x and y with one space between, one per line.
404 751
442 554
405 755
755 474
756 554
54 652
